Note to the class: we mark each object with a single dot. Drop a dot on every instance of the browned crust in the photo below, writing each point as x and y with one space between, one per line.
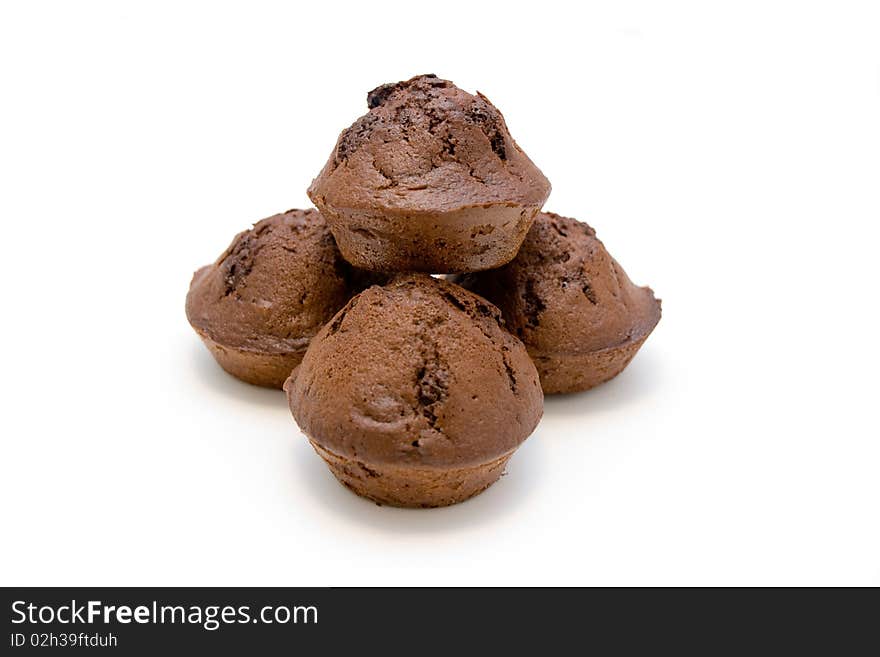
472 239
413 487
268 370
566 373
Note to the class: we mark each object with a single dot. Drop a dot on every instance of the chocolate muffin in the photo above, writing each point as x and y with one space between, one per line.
428 180
580 317
415 395
270 292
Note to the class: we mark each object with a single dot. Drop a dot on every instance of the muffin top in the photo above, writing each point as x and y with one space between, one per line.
564 293
417 372
427 146
274 287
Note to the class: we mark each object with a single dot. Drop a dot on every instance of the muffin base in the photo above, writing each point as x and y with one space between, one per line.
268 370
465 240
412 487
562 373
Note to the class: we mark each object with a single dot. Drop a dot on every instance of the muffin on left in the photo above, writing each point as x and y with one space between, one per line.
259 305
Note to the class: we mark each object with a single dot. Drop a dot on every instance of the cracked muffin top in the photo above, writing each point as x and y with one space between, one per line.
565 293
419 372
274 287
427 146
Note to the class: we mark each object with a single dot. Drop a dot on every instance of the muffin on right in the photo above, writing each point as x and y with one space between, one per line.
581 318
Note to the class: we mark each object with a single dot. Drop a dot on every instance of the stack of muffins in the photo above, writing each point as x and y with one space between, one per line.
417 389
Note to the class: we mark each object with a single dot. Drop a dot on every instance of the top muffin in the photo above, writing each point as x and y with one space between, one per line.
429 179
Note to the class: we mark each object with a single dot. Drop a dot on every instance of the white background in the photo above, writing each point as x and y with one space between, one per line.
727 153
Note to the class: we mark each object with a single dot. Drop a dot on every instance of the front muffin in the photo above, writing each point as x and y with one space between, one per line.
429 180
415 395
579 315
258 306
